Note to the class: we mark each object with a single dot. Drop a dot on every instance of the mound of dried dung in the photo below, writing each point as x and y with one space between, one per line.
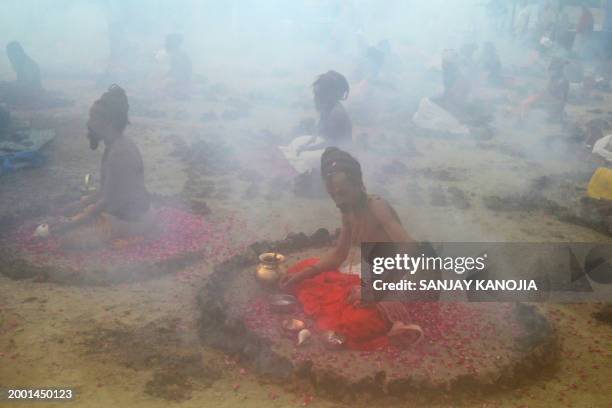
438 197
604 314
458 198
520 202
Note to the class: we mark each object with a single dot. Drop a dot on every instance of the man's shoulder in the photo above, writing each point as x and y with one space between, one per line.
339 118
377 204
338 112
119 145
381 209
123 147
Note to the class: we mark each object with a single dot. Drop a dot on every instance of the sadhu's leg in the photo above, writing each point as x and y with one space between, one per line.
402 333
125 233
91 235
107 229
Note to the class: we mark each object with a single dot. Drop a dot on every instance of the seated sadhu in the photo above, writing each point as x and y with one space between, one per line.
554 98
27 91
557 89
334 129
456 84
457 77
334 126
179 76
120 210
329 289
334 123
491 64
27 85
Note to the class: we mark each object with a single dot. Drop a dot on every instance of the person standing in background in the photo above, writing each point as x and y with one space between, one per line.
179 75
584 33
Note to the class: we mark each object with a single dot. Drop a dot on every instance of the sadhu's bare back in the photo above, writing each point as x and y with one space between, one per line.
367 227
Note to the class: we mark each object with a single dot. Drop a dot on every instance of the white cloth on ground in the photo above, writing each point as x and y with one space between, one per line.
603 148
307 159
431 116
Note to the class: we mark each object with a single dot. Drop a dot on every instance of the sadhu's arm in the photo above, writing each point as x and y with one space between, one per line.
404 243
334 259
331 261
387 218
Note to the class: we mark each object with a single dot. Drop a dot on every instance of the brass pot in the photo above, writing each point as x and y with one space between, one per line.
269 269
88 184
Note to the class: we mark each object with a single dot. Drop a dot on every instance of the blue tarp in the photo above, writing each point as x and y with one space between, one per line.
23 149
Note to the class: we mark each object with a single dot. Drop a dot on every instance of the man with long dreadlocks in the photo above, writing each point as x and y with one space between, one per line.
334 123
334 129
120 210
329 288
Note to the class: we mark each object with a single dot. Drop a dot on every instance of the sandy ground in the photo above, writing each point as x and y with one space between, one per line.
58 336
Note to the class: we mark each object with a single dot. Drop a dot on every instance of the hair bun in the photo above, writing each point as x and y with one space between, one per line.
334 160
114 105
333 84
116 94
116 99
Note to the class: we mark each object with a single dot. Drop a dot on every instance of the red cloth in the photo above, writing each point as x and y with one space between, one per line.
325 299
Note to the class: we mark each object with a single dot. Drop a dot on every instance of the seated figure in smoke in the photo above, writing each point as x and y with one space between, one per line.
458 78
26 90
554 97
329 288
372 61
334 127
27 85
456 84
491 64
120 209
374 90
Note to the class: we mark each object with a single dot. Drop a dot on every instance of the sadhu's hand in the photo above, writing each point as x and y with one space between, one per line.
288 281
354 297
86 200
59 225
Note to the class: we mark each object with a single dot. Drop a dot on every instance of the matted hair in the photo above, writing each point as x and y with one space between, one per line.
332 85
334 160
113 104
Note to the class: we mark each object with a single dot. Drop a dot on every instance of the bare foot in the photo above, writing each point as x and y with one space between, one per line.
405 335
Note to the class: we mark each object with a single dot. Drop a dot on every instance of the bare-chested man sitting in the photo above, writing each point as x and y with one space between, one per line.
120 210
365 218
